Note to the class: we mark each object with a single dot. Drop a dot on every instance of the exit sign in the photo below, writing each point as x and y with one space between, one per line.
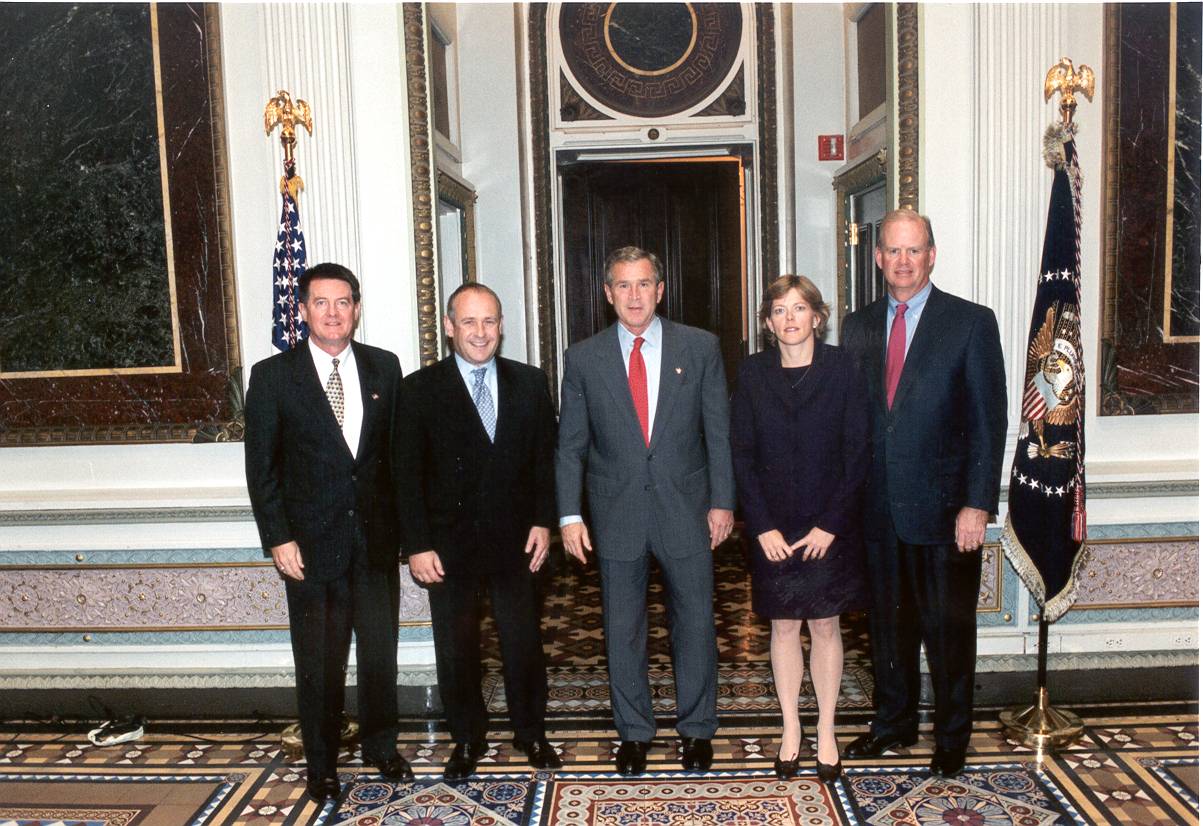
831 147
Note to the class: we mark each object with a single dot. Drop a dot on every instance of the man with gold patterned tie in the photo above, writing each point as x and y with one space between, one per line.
320 456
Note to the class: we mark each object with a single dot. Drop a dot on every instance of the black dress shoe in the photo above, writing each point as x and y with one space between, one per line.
785 769
394 768
696 754
539 753
321 789
463 760
870 745
631 758
947 762
828 773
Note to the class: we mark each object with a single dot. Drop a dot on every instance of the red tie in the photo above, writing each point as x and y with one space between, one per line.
637 378
895 353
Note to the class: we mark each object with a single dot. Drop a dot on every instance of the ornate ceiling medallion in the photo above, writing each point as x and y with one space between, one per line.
650 60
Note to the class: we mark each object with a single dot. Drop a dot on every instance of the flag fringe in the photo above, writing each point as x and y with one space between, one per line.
1055 607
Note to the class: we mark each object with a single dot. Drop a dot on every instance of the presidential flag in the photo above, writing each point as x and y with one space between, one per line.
1045 533
288 265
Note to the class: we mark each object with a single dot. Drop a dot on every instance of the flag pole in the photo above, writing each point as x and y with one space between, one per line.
1040 725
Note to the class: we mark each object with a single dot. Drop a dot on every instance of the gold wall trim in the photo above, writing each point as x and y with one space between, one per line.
464 197
908 105
544 268
421 169
132 566
160 629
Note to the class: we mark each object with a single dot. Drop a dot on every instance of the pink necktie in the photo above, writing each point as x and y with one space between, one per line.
637 378
895 353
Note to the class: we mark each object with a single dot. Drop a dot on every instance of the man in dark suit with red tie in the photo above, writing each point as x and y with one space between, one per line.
937 393
480 440
321 471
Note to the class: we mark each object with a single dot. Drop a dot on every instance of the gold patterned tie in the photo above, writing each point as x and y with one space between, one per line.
334 392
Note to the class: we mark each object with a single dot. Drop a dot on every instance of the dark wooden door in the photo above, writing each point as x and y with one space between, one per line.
688 213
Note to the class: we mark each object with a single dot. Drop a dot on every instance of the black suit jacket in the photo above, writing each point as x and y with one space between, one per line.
304 484
479 499
940 447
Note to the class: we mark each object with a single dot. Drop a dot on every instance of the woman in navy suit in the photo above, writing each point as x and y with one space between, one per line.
800 444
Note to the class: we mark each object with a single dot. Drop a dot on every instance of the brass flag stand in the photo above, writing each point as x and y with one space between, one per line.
1040 725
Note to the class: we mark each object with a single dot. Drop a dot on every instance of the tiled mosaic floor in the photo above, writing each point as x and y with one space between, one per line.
1132 766
1135 769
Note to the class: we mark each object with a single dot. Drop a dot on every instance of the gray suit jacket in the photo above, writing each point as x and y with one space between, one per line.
638 493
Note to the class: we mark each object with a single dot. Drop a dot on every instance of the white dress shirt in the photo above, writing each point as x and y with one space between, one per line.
352 395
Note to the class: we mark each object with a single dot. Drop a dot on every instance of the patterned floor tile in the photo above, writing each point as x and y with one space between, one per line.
497 801
994 795
686 801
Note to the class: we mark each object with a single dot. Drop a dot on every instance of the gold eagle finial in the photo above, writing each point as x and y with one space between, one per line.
1062 78
286 113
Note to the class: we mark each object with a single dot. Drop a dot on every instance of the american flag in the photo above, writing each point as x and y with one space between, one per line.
288 265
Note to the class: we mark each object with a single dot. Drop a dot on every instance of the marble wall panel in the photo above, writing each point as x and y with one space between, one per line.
1150 353
131 327
157 598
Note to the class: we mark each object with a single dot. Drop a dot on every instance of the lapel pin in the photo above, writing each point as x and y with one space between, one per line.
375 396
678 369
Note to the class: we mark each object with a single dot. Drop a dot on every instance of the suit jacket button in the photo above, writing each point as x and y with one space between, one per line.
647 487
890 429
354 478
351 512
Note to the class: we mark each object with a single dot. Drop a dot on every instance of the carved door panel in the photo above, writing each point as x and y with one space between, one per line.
688 213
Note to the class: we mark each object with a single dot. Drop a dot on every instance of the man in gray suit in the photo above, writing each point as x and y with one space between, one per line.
644 430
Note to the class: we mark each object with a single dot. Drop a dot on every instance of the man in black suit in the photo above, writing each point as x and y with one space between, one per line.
937 392
320 457
482 438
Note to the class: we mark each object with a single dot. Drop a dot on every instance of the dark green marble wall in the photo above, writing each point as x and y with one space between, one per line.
83 257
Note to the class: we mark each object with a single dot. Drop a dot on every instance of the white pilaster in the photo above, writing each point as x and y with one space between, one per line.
1014 45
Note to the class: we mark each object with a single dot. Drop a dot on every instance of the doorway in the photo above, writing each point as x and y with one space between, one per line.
690 212
865 282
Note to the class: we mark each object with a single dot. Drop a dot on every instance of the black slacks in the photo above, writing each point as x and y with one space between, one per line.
321 616
455 619
923 594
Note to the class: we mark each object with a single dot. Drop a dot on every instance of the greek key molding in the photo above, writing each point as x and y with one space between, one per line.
994 663
265 678
110 516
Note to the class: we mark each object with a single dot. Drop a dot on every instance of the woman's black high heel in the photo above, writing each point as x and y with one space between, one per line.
829 774
786 769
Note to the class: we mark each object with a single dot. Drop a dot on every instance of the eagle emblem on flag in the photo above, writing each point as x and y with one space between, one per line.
1052 393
